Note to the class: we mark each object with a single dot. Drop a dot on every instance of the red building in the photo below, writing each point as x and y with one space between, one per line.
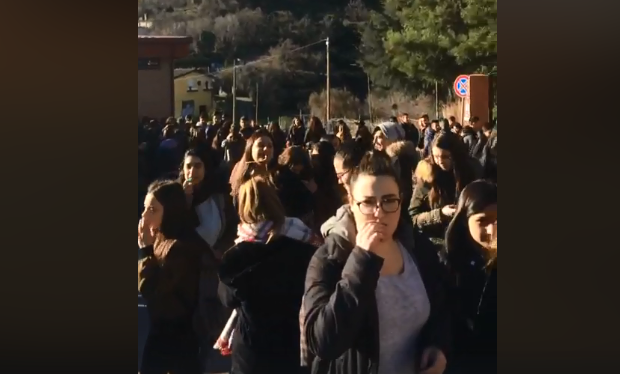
156 55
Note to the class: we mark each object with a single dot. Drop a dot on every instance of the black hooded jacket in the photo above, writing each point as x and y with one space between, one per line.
341 319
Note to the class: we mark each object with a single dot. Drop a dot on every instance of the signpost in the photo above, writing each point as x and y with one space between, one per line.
462 90
461 86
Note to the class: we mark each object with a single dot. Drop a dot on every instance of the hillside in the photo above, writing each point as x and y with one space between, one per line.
400 45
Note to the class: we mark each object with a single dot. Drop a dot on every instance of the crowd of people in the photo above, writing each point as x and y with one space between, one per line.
298 251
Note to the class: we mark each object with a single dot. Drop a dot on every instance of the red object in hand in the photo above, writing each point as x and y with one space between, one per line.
224 347
226 352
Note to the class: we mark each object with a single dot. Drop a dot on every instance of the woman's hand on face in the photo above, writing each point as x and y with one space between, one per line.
146 236
370 236
188 187
433 361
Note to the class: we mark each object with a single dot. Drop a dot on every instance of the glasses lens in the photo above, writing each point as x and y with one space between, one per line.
388 206
391 206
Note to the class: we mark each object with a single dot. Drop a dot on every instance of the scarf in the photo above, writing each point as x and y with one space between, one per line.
293 228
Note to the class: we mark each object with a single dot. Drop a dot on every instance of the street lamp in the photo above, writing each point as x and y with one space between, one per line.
234 90
329 83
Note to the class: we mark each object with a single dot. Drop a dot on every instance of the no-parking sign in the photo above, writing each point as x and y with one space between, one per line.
461 86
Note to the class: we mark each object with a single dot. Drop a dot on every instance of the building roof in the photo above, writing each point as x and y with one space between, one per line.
174 40
179 73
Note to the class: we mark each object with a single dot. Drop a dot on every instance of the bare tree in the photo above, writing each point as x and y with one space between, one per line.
344 104
384 102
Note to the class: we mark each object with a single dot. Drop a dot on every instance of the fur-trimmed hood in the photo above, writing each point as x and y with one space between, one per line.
405 157
424 171
402 148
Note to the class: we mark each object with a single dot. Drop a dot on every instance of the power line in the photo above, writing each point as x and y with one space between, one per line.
270 58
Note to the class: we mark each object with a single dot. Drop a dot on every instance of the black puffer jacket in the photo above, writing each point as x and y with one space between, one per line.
265 284
341 319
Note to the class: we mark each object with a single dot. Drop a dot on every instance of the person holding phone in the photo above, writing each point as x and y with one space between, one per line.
440 178
374 300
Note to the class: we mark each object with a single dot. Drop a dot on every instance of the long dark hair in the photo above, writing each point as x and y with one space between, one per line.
247 164
351 153
323 163
316 128
461 166
212 183
176 222
474 200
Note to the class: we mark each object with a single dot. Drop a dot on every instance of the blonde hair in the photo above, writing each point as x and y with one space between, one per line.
259 202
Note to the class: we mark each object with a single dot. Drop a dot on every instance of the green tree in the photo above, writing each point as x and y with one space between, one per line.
436 40
373 20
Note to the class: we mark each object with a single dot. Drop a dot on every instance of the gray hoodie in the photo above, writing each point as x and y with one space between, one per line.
342 224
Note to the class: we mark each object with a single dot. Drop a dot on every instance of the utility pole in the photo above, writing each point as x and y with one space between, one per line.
329 83
234 93
370 114
436 100
256 118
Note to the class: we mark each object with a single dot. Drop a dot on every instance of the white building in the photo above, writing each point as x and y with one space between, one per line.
144 27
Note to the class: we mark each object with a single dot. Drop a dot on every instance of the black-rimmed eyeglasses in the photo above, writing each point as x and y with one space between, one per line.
388 206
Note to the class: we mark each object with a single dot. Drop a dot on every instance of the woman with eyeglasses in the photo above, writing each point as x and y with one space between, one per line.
374 301
347 158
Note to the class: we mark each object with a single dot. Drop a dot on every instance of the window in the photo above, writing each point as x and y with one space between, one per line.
188 108
149 64
191 85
